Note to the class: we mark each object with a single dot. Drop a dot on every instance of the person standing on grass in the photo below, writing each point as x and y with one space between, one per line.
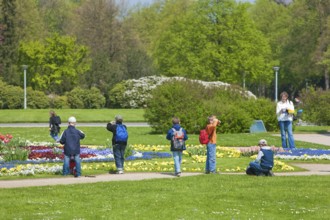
284 112
54 125
264 162
177 135
71 140
119 142
211 127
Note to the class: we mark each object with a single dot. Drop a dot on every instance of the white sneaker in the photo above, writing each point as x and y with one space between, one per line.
120 172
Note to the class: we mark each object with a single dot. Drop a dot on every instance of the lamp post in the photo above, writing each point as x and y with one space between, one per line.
24 68
276 69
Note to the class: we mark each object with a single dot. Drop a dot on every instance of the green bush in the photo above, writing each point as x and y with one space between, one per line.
37 99
12 97
316 105
183 99
135 93
192 102
85 98
58 102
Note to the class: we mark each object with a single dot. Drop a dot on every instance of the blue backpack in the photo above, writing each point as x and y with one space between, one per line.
121 133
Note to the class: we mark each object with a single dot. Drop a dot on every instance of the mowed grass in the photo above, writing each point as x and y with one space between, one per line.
197 197
82 115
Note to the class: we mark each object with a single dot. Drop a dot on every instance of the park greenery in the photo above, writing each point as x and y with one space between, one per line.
142 199
230 41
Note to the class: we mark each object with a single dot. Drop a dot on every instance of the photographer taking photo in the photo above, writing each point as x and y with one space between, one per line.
284 112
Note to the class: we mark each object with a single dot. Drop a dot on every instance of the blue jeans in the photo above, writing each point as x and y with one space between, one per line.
286 126
66 165
177 156
256 169
210 158
119 154
54 136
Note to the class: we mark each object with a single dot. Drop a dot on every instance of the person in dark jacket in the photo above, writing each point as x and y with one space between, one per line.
54 125
177 153
264 162
71 141
118 144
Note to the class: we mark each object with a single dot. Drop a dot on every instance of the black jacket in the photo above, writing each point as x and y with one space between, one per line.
71 140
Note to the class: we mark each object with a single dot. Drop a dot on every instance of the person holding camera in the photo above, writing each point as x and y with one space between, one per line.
211 127
284 112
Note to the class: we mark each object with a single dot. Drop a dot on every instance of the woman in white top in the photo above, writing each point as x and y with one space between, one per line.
284 112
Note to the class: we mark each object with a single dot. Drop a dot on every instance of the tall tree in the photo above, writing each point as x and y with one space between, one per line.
8 43
56 65
96 25
212 40
29 23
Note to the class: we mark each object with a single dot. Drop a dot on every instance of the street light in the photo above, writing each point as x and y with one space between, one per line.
276 69
24 67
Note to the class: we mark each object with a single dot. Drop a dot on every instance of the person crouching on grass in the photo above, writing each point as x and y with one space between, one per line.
264 162
71 141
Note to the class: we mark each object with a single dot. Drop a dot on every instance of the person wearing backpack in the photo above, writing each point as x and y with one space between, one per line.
71 141
119 141
210 166
177 135
54 125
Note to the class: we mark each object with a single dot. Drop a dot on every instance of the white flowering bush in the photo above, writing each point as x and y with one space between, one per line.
134 93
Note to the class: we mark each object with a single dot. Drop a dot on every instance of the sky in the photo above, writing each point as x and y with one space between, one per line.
133 2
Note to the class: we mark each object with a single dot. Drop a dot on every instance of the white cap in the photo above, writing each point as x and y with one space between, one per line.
262 142
72 120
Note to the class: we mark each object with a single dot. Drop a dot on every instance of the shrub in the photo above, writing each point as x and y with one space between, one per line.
36 99
193 102
135 93
58 102
316 106
85 98
12 97
178 98
76 98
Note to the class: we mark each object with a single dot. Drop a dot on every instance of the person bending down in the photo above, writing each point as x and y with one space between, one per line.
264 162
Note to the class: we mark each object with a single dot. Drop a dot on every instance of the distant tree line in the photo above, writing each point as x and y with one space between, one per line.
95 44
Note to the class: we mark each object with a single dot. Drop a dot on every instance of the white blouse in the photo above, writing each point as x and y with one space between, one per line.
281 111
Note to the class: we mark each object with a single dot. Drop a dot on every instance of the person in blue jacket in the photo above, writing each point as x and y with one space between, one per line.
71 141
264 162
177 135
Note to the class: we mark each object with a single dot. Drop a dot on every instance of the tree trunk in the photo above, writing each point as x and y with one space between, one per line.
326 79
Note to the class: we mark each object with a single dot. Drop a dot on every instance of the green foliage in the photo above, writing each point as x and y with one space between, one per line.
85 98
37 99
12 97
182 99
14 150
316 106
193 103
54 66
58 102
211 40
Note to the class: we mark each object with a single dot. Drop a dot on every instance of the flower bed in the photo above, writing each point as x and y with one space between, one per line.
304 154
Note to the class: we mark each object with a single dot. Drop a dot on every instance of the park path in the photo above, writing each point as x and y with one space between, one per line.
311 169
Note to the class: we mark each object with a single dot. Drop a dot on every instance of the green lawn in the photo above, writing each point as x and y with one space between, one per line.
82 115
197 197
